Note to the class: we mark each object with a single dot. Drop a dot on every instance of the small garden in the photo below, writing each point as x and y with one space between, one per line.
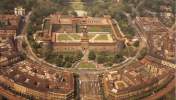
86 65
99 29
91 35
105 58
64 59
68 37
63 37
102 37
75 36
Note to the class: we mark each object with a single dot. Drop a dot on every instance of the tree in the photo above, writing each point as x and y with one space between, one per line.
23 55
143 52
7 6
118 58
92 55
109 64
68 64
136 44
110 59
79 55
101 59
57 1
31 29
24 45
59 61
47 50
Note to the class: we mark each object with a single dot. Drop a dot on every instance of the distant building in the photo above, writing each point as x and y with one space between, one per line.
9 26
139 79
166 11
161 40
19 11
22 77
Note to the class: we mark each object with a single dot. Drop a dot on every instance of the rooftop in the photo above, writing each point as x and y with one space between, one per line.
32 75
35 76
9 22
150 24
141 74
59 19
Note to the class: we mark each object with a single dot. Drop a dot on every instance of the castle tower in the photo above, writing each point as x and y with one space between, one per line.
19 11
85 39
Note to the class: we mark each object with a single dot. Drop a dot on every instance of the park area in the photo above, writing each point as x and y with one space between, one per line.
86 65
68 37
99 29
101 37
76 37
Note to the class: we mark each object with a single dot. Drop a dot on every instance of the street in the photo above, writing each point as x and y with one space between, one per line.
89 86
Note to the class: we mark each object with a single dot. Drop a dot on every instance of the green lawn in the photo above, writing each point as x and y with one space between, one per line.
86 65
99 29
62 37
75 36
91 36
102 37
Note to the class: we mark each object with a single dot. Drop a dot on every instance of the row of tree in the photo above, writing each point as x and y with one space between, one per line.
105 58
7 6
115 10
64 59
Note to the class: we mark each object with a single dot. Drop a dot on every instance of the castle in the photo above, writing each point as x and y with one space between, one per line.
81 33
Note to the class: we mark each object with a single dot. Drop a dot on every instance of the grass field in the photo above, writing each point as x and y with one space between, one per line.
86 65
102 37
68 37
75 36
63 37
91 36
99 29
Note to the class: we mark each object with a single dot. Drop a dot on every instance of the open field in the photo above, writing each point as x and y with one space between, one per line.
68 37
63 37
102 37
91 36
86 65
99 29
77 37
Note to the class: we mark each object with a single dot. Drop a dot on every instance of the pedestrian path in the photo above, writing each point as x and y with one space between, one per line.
86 54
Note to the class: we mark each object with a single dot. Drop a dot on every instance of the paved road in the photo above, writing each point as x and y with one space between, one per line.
89 86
